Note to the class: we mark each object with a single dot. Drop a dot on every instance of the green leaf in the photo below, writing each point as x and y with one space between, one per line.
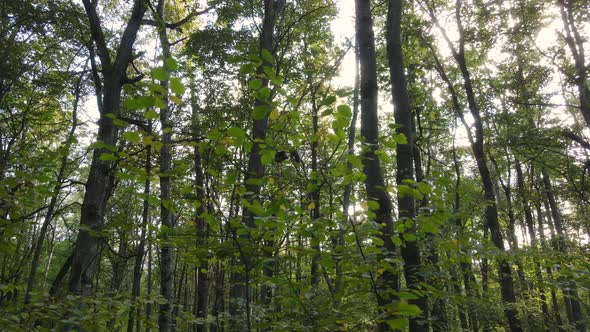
263 94
139 102
151 114
400 138
171 63
107 156
176 86
255 84
266 55
156 88
409 237
261 111
120 123
102 145
345 111
373 205
176 100
160 74
424 188
378 241
247 68
408 309
267 156
159 102
404 190
131 136
215 135
236 132
329 100
269 71
398 323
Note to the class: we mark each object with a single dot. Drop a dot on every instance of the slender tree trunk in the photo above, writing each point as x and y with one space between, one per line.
54 196
570 291
374 182
165 319
405 159
148 306
528 217
314 195
137 269
255 170
575 43
350 152
201 309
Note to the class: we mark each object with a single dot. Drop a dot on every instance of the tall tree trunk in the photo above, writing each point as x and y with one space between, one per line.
350 152
575 43
101 171
165 319
570 291
55 194
256 169
138 267
202 291
404 157
477 145
530 224
314 195
148 306
374 182
466 269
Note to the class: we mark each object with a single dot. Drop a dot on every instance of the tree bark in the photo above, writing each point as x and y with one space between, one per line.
575 43
570 291
477 145
202 291
55 194
255 170
165 318
137 269
101 172
405 158
374 182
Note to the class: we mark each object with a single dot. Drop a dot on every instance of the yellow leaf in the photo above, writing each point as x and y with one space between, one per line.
311 206
364 205
274 115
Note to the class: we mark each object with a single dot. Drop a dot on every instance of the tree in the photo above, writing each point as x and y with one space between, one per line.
114 75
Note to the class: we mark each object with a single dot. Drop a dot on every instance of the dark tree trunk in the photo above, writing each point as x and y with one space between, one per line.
570 291
491 209
404 157
255 171
350 152
575 43
374 182
54 196
165 319
137 269
202 291
101 171
314 195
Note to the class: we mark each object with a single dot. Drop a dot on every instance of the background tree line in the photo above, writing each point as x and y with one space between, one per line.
176 165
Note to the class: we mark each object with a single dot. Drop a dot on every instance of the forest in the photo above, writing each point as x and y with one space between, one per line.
294 165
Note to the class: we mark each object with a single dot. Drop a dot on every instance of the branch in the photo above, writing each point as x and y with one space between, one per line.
133 80
576 138
177 25
97 34
144 126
